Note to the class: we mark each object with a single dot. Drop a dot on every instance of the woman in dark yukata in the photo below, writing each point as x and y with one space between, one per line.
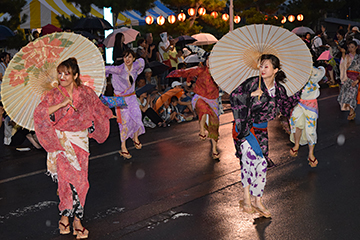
253 107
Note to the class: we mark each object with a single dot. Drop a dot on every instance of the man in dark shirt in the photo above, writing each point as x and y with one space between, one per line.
152 50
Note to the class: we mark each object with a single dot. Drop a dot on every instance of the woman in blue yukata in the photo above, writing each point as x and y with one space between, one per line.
253 107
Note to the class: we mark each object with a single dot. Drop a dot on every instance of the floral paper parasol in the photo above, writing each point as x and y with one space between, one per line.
32 71
236 56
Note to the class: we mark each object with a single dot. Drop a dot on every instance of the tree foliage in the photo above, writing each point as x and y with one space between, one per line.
13 8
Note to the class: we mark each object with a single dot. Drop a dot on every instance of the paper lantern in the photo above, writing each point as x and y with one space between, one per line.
276 17
225 17
237 19
291 18
181 17
171 19
283 20
266 17
160 20
149 20
300 17
201 11
191 11
214 14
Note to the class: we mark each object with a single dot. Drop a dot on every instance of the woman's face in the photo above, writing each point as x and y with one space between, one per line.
352 48
308 36
65 76
267 70
128 60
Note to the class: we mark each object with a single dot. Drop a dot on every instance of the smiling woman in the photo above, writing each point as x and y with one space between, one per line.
129 118
64 134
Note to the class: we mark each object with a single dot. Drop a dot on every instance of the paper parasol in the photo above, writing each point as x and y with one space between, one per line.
32 71
235 57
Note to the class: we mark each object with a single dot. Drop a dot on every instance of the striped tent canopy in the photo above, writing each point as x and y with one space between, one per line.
134 18
43 12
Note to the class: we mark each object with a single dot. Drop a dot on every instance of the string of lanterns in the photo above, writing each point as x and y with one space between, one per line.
291 18
191 12
202 11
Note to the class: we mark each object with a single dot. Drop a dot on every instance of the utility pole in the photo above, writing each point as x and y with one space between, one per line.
231 15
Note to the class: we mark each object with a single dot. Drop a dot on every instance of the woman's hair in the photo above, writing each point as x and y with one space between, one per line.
129 51
352 42
280 76
140 41
341 32
118 38
72 66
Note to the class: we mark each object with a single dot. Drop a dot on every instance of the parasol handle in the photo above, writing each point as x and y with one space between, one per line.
259 84
57 86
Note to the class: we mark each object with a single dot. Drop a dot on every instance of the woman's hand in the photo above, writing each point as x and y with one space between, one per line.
56 107
258 92
353 84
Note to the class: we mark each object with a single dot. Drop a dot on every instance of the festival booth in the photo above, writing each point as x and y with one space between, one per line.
43 12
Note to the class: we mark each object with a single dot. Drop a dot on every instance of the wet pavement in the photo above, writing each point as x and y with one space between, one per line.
173 189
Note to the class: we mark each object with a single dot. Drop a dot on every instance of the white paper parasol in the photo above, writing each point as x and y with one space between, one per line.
235 57
204 39
32 71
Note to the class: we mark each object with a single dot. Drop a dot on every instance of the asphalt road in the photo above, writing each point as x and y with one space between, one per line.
173 189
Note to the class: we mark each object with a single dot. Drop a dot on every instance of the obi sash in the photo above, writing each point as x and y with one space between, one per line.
251 138
118 112
311 105
352 74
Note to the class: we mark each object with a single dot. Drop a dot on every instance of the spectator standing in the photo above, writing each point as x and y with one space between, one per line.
152 51
141 51
119 49
349 76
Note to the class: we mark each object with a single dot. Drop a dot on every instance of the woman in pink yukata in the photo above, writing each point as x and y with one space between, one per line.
129 117
62 124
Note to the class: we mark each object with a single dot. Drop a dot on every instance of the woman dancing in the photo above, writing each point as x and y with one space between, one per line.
205 100
303 120
349 76
63 132
128 118
253 107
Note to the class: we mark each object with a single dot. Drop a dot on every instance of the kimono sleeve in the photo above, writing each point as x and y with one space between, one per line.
286 104
101 115
114 70
139 65
240 104
44 128
188 73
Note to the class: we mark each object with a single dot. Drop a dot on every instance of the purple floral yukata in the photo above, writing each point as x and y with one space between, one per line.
248 110
129 117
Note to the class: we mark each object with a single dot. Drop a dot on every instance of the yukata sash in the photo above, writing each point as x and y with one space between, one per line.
118 112
352 74
311 105
66 138
213 103
251 138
